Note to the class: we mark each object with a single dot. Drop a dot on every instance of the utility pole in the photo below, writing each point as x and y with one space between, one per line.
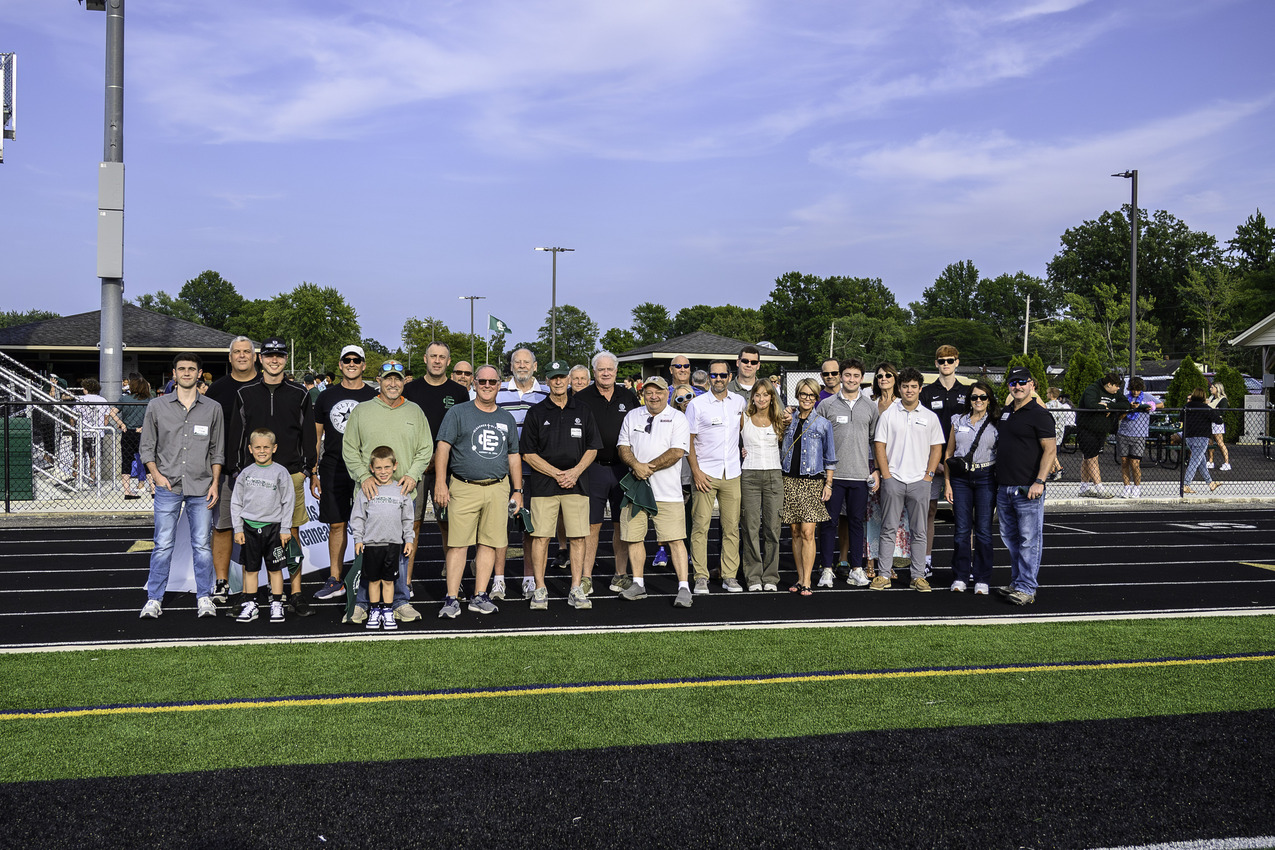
553 309
1133 273
471 299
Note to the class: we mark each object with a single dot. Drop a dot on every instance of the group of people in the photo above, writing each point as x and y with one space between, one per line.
851 470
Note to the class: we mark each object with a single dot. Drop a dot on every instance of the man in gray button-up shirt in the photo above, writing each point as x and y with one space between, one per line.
183 449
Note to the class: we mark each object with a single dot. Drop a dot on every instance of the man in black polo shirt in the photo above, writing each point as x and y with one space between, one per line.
559 442
944 398
1025 451
609 403
435 394
333 486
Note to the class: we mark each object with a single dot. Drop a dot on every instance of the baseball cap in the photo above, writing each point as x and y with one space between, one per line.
656 381
353 349
557 369
274 345
392 367
1019 373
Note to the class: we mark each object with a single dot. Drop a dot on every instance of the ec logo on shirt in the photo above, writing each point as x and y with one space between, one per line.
487 442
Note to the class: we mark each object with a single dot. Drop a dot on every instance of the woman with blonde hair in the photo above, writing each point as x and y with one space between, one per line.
884 380
1217 401
761 487
807 460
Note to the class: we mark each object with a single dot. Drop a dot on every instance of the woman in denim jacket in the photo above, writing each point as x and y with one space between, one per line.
808 459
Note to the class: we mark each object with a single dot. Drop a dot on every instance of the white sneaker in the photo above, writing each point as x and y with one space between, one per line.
826 578
754 588
858 578
248 612
958 586
981 589
276 611
528 587
1127 492
151 610
206 607
1226 467
1208 465
770 587
498 588
1135 492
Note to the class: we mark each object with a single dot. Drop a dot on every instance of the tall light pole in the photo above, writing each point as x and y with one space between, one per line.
553 309
110 205
1133 274
471 299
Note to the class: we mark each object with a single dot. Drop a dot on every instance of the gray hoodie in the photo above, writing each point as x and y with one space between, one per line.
262 494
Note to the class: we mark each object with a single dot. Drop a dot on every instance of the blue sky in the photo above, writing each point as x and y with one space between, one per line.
691 152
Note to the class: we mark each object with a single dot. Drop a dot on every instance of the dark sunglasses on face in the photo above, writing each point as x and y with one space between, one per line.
1018 383
885 376
831 374
978 398
462 373
351 359
719 375
749 362
484 382
945 361
681 365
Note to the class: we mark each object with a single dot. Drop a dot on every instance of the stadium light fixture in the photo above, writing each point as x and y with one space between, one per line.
553 307
1133 272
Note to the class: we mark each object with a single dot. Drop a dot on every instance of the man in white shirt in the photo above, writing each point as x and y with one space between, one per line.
652 441
714 422
909 445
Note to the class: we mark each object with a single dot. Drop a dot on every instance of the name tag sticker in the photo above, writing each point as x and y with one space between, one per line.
501 426
841 420
201 430
577 432
1004 416
937 405
715 421
964 428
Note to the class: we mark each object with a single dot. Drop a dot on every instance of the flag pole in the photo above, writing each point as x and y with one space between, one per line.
487 358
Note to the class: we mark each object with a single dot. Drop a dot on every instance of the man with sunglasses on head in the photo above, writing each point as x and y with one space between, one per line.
282 406
225 391
333 486
746 368
388 419
435 394
1025 450
945 398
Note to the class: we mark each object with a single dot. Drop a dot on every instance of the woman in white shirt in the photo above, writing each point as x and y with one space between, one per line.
761 488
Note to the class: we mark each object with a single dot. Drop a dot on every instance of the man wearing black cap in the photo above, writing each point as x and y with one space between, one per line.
283 407
1025 451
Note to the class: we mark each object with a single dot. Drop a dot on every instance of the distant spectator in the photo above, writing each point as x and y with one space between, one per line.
1217 401
1064 418
1197 421
129 416
1100 407
1131 436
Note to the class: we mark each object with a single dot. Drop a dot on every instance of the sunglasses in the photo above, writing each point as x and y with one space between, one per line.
650 420
719 375
681 365
831 374
749 362
945 361
885 376
978 398
462 373
391 368
484 382
351 359
1018 383
682 399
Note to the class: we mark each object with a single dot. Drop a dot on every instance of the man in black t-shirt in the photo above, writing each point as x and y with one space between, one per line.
945 398
1025 450
435 394
333 486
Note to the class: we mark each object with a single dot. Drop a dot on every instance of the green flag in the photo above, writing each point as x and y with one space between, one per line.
494 324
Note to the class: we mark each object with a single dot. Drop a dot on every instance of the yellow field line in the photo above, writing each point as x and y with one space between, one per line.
620 687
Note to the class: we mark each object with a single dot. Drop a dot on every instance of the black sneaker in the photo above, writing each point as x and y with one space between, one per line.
221 591
298 605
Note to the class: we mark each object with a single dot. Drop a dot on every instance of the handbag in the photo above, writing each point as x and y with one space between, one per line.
958 465
138 469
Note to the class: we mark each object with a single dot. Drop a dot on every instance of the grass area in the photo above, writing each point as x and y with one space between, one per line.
139 744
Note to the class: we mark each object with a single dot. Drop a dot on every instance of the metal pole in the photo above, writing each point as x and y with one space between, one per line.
1027 322
111 362
1133 281
553 312
471 299
832 335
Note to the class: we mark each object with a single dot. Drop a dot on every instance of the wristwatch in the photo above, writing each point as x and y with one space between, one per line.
1039 481
517 489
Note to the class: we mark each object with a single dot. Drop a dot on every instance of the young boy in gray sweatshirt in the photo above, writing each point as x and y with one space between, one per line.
382 530
261 511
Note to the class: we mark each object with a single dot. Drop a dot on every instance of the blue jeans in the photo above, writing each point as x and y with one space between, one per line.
400 587
973 500
1023 531
168 509
1198 447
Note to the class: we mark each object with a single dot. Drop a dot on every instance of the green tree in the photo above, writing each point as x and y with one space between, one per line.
316 320
1231 379
742 323
1210 295
1251 256
951 296
1082 370
1001 304
577 336
213 299
1057 341
1187 377
251 320
417 334
978 342
13 318
162 302
689 320
1036 366
651 323
618 340
799 313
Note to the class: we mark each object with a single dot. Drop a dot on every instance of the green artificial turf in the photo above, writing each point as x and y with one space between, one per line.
171 742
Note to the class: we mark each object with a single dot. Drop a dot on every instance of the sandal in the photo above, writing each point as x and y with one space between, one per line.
806 591
796 588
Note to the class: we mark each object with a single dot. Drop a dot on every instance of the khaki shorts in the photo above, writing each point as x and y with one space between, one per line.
299 516
477 514
670 523
223 522
573 508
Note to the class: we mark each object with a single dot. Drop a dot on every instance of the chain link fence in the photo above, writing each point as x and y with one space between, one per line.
73 457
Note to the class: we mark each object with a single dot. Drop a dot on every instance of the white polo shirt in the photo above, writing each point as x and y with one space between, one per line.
908 437
714 425
669 430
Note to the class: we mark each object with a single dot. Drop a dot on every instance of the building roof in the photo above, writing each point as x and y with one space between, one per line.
699 345
1262 333
143 331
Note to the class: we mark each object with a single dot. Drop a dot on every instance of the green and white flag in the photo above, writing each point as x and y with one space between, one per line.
494 324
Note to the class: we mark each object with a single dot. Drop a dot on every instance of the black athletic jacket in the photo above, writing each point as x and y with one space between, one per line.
285 409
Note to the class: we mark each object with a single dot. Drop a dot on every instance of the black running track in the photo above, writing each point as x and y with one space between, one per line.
75 586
